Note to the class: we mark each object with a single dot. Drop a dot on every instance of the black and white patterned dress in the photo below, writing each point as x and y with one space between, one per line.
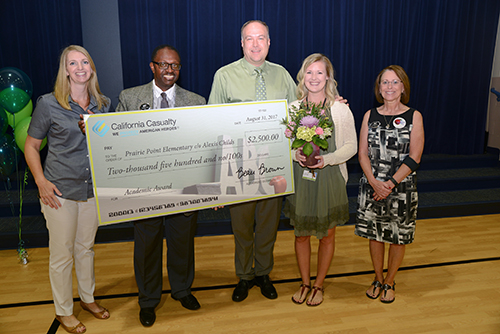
391 220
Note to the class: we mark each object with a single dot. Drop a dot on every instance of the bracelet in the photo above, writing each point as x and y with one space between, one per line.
394 181
412 164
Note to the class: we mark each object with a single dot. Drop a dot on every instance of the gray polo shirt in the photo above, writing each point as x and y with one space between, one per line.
67 164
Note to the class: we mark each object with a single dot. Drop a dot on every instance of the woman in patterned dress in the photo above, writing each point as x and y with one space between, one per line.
320 201
391 142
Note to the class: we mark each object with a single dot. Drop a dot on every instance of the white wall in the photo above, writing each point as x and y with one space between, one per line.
496 59
493 122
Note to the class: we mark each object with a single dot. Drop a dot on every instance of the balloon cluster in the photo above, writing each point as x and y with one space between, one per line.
15 110
16 107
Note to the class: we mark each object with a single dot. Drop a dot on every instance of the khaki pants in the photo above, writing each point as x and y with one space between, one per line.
72 229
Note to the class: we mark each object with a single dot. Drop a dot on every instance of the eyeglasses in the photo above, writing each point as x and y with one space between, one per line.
164 66
393 82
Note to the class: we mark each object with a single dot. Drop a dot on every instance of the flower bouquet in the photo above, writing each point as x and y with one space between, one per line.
308 125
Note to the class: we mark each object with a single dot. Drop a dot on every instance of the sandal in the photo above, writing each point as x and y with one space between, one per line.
315 291
386 287
71 329
302 294
98 315
375 284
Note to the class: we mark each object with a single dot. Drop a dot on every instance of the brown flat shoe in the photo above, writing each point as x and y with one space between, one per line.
315 290
302 294
74 329
98 315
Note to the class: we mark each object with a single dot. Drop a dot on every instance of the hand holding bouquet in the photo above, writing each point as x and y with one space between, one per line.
308 124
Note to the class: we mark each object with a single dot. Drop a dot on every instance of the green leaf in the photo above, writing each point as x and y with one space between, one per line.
307 149
320 142
298 143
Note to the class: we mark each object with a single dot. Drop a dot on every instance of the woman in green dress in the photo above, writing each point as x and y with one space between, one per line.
320 200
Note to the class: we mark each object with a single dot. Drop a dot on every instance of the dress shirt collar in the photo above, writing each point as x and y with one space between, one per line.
92 102
251 69
157 93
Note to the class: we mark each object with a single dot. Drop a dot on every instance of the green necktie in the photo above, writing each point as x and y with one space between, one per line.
260 86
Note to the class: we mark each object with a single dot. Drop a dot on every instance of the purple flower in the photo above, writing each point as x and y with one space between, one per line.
309 121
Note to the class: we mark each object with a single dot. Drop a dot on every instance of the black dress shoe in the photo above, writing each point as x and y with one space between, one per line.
241 290
266 286
147 316
190 302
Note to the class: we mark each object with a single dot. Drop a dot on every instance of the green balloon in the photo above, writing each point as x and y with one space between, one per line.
13 99
20 115
8 156
21 133
4 122
44 142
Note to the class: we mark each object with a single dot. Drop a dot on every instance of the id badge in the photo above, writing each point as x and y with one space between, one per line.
310 175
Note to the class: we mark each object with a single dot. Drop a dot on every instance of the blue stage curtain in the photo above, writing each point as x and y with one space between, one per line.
446 47
33 34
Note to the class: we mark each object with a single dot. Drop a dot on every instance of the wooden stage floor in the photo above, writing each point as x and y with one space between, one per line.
449 283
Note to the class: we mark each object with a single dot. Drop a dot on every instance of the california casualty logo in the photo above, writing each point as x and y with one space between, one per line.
146 126
100 128
169 124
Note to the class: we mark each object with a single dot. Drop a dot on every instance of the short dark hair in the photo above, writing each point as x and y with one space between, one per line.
161 47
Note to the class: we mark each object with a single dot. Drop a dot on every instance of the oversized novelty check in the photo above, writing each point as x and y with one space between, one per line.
158 162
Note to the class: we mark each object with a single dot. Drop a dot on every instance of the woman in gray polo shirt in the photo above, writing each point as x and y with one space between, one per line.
65 184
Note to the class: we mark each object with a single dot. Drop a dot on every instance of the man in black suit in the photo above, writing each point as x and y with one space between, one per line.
163 92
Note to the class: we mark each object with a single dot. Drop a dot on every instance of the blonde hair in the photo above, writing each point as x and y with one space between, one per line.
62 87
331 85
